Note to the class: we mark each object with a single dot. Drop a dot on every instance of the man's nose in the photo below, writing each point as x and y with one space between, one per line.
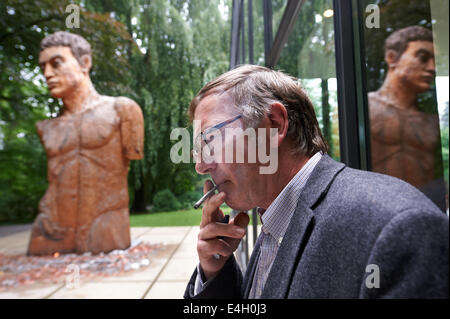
204 167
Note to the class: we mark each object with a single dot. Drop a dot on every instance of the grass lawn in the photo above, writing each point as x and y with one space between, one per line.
189 217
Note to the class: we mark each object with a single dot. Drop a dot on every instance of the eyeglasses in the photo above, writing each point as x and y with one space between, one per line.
207 136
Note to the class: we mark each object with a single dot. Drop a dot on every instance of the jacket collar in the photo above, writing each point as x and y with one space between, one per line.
320 181
299 230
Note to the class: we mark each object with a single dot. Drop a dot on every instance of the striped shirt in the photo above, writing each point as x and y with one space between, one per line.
275 221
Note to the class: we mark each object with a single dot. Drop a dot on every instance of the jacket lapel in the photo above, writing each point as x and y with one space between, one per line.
300 228
279 278
251 268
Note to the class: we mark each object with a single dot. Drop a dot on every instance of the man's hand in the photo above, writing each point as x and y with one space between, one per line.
210 229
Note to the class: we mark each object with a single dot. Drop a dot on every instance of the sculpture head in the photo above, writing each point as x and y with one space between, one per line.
409 54
65 59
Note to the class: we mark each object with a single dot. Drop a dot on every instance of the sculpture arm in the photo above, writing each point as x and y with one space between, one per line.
131 128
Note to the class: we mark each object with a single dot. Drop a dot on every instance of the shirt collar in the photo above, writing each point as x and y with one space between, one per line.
275 220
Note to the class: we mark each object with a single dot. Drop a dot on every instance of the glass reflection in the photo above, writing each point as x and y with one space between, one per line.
309 55
403 111
403 138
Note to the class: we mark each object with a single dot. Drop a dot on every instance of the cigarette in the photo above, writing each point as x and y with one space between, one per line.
204 197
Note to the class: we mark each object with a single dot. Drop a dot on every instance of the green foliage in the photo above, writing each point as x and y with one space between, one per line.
188 199
165 201
157 52
24 98
22 177
309 55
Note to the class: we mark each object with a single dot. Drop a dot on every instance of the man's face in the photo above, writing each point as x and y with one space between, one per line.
241 182
62 71
416 66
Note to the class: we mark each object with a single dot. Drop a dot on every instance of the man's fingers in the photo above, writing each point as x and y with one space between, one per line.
211 212
214 246
214 230
213 203
241 221
207 186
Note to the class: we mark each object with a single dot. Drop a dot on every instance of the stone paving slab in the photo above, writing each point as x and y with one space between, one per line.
136 232
104 290
179 269
157 262
34 292
9 230
165 278
165 235
167 290
15 244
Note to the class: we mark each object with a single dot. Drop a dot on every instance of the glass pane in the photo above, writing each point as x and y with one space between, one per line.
407 68
309 55
258 32
278 8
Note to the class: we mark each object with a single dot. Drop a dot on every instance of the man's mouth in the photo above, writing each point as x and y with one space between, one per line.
221 185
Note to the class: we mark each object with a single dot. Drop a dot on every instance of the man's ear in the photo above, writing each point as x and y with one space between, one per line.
391 58
279 119
86 63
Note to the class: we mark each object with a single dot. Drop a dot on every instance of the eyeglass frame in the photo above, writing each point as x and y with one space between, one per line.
195 152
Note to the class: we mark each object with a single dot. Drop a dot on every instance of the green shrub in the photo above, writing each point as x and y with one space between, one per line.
23 178
165 201
187 200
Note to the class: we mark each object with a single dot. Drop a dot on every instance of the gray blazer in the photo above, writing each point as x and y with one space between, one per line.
348 226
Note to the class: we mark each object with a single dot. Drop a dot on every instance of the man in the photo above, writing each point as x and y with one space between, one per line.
328 231
405 140
89 146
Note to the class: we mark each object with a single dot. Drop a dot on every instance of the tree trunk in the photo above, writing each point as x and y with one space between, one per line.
139 200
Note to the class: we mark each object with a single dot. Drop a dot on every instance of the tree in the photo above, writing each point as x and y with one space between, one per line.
157 52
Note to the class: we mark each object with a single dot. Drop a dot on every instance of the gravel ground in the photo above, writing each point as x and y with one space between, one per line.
20 270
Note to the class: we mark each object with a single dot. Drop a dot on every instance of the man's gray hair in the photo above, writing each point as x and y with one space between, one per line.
77 44
254 89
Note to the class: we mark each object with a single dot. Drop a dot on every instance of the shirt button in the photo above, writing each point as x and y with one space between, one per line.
280 240
264 230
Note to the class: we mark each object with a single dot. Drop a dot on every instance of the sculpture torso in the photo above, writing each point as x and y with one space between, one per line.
86 168
403 141
88 155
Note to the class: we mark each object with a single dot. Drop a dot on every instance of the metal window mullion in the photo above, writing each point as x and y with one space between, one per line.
363 109
346 84
242 34
251 59
267 12
235 24
287 23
